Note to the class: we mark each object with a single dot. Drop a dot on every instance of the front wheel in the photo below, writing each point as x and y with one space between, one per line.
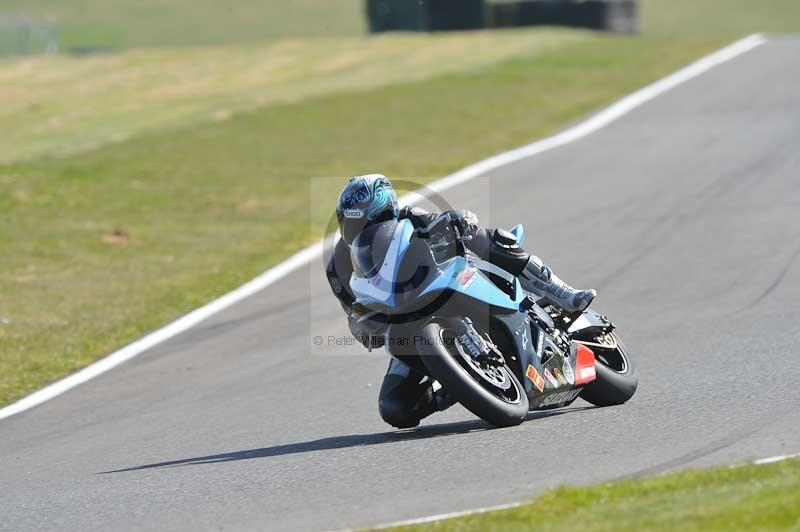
492 393
617 374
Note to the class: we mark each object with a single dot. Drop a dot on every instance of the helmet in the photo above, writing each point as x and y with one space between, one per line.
365 200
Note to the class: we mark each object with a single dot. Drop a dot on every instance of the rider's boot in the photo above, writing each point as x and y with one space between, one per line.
433 400
538 278
443 400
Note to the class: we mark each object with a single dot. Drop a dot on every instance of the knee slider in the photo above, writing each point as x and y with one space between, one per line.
397 415
505 238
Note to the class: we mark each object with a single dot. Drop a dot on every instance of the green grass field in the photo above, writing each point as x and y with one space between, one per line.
137 186
719 17
113 24
56 105
744 498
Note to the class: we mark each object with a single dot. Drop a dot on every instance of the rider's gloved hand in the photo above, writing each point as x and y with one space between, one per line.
370 333
465 221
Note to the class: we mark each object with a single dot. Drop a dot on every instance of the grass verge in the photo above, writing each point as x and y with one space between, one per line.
56 105
744 498
719 17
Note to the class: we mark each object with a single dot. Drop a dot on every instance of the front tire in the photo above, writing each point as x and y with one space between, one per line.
448 365
617 375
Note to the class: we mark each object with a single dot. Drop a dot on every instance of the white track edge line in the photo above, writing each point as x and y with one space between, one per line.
499 507
450 515
774 459
305 256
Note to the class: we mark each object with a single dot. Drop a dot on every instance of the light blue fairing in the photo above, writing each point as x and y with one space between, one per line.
380 288
480 287
519 232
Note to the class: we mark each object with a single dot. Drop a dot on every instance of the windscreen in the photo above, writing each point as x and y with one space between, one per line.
368 250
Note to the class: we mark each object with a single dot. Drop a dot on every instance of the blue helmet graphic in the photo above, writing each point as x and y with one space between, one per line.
365 200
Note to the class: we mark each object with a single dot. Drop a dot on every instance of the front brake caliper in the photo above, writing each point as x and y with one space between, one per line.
471 340
477 347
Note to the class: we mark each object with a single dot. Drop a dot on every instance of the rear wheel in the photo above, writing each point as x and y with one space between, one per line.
490 391
617 375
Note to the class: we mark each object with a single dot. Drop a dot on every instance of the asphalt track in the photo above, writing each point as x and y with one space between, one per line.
685 215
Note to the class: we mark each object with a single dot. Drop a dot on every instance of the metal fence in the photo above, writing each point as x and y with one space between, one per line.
23 35
436 15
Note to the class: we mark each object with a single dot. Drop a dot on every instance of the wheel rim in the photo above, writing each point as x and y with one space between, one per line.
497 380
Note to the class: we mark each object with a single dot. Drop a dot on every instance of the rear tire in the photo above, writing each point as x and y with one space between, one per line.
457 379
617 376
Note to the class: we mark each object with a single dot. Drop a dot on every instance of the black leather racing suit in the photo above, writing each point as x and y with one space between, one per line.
405 396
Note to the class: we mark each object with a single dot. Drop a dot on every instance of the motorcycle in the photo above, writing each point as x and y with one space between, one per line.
468 325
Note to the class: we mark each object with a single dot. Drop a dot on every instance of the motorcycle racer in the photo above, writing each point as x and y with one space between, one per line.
406 395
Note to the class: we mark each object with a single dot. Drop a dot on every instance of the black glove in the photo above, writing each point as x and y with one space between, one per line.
370 333
465 221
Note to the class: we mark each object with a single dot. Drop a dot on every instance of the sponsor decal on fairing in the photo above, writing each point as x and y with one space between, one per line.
466 278
560 397
568 373
524 330
539 345
584 365
535 378
549 376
